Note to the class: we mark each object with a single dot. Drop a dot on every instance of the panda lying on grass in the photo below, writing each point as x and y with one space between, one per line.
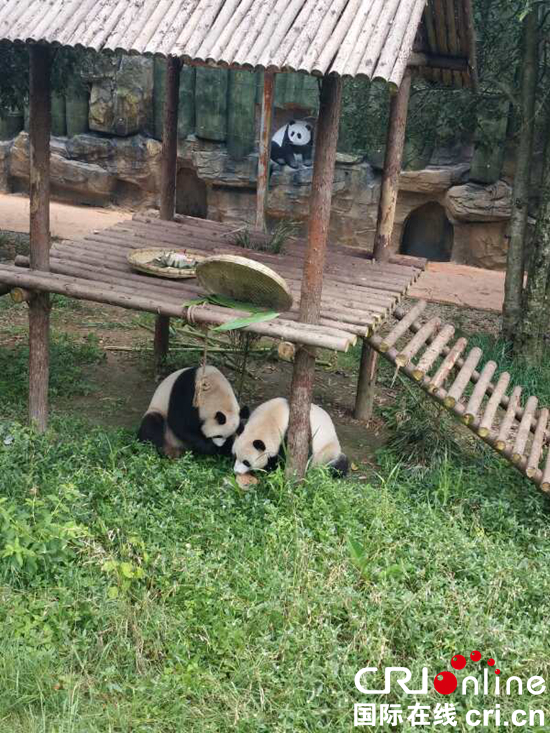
196 409
192 409
260 445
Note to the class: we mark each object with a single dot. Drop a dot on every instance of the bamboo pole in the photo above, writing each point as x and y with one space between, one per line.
125 297
538 442
163 290
509 418
523 430
403 326
545 483
480 391
433 352
39 306
314 263
400 313
417 342
458 411
493 404
461 382
264 149
168 174
447 364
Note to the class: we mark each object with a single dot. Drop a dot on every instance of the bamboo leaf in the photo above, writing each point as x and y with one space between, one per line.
237 323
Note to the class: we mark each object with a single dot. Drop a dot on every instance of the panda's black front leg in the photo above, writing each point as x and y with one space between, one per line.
199 444
290 159
307 155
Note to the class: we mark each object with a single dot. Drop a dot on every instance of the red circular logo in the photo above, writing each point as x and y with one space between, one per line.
445 683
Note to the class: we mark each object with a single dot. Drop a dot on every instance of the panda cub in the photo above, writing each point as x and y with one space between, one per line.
294 137
175 421
260 445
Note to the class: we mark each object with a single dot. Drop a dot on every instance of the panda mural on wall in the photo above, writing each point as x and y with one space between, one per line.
294 138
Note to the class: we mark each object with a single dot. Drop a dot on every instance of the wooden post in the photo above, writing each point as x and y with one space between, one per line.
384 228
392 168
264 149
168 185
312 278
39 305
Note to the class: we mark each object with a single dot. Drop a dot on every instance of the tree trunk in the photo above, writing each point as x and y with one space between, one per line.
535 323
513 288
312 277
39 305
168 172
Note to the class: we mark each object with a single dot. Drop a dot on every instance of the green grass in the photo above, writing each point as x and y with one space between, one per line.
67 357
138 594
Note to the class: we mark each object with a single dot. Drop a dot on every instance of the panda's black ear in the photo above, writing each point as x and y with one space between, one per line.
291 122
259 445
244 413
240 429
309 127
220 418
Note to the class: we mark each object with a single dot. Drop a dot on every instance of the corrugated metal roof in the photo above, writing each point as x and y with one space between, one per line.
370 38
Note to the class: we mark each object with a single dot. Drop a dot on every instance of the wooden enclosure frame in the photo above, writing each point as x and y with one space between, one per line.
318 223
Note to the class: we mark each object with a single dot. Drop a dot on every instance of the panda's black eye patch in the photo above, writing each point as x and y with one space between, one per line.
299 136
247 463
220 418
259 445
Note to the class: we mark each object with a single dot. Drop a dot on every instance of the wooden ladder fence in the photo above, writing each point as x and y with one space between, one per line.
428 353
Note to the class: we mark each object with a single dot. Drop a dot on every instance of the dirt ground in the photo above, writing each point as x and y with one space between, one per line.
124 380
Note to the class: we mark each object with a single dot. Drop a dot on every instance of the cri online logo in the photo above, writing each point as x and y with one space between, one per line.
445 683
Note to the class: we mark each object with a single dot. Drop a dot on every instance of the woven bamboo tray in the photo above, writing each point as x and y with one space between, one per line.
142 260
244 280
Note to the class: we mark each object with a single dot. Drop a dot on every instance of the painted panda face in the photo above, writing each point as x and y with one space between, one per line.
299 133
250 455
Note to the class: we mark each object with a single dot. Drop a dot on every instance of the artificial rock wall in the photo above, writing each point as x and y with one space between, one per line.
106 151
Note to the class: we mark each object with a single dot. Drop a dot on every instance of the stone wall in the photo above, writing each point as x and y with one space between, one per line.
107 152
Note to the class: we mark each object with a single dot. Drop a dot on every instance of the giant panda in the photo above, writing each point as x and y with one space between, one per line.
294 137
175 421
260 444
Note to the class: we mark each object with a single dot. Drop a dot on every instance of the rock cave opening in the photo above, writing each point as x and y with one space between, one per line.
428 233
191 194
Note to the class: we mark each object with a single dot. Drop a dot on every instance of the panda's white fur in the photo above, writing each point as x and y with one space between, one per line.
260 444
175 420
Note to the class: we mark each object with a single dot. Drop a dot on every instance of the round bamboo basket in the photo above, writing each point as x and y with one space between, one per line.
244 280
142 260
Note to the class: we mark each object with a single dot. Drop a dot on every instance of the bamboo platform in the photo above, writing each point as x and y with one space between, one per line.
358 294
428 354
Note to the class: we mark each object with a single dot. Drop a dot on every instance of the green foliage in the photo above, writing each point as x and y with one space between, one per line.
284 230
14 72
181 603
67 357
257 315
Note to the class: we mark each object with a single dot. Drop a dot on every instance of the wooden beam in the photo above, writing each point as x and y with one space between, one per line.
392 168
433 61
168 186
312 278
39 306
471 40
170 140
264 149
366 385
